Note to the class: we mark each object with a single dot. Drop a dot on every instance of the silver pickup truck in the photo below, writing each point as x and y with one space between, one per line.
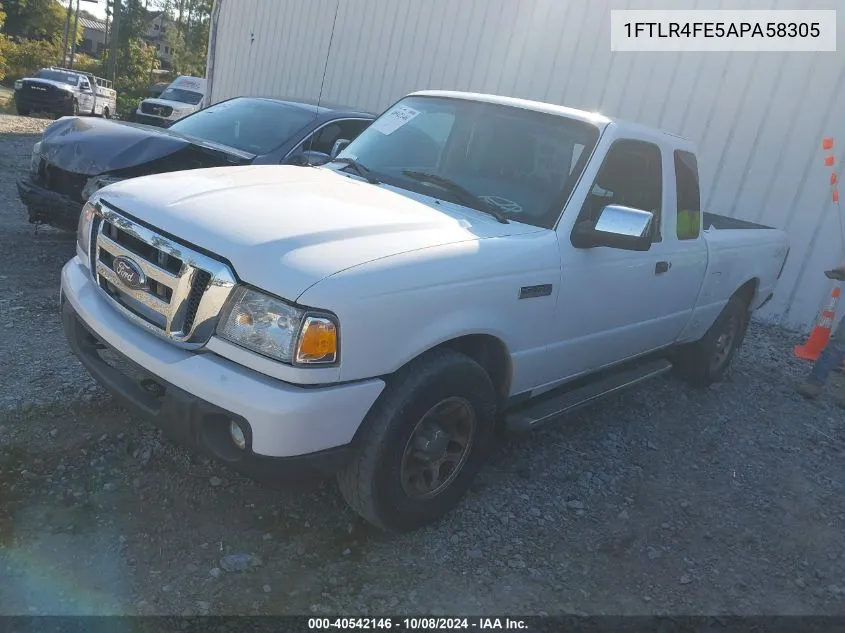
65 92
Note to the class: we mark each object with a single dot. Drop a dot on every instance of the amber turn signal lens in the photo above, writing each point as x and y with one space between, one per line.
318 341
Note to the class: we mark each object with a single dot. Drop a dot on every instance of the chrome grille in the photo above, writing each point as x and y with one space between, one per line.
184 290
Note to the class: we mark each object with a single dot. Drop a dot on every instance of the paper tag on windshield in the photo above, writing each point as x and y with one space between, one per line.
395 119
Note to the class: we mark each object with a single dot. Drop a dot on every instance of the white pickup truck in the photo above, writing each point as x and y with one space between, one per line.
469 263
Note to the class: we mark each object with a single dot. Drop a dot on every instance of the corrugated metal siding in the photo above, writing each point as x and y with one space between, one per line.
758 118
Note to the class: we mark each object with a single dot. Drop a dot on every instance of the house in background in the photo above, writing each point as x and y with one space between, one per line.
157 37
93 36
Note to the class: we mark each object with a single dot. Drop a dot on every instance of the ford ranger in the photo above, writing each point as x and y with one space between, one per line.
469 263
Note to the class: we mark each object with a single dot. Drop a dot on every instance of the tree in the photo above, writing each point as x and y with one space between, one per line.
36 19
189 40
25 57
135 64
134 21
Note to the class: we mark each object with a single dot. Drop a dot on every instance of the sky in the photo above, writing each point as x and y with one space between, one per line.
98 8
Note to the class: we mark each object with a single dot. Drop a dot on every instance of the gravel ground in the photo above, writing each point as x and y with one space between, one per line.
663 500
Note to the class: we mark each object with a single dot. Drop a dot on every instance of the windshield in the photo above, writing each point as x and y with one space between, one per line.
257 126
523 162
55 75
183 96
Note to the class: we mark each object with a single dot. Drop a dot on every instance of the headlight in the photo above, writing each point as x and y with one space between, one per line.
83 229
35 160
273 328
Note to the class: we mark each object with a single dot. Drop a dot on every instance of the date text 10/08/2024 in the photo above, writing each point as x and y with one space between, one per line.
417 624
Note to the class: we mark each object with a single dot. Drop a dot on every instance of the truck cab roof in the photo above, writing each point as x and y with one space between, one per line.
622 126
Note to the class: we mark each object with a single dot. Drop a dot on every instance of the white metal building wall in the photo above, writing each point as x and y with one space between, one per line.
758 118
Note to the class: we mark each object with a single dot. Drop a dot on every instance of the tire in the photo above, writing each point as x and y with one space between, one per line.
707 360
22 111
106 113
381 479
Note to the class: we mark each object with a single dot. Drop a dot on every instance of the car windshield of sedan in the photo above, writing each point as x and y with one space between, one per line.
522 163
257 126
55 75
182 96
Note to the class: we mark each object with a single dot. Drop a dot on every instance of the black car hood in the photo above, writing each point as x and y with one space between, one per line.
93 146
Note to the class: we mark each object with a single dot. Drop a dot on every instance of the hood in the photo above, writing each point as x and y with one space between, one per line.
285 228
92 146
49 82
176 105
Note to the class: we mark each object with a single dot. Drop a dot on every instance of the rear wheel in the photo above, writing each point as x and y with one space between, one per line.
706 361
422 443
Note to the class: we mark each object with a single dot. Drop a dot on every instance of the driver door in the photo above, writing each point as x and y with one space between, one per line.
612 302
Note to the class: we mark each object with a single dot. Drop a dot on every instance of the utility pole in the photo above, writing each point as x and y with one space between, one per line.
67 29
115 30
74 34
108 19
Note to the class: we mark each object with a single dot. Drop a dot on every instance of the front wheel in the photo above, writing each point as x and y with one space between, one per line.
706 361
422 443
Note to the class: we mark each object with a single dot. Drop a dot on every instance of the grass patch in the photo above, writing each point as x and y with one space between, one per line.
7 100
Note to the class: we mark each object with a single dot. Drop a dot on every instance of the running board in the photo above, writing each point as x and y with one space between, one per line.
547 408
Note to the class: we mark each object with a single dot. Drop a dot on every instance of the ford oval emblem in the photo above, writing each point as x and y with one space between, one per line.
129 273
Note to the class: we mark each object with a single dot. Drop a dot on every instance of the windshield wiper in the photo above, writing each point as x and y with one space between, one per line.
463 195
365 172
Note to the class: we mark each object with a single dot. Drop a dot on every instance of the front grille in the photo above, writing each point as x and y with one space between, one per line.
37 93
155 109
38 88
63 182
180 293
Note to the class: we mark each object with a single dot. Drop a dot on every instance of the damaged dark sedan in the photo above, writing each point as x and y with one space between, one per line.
75 156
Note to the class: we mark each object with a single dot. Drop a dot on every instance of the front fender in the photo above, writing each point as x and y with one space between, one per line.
395 309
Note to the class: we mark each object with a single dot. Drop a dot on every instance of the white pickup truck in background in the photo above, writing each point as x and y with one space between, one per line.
468 262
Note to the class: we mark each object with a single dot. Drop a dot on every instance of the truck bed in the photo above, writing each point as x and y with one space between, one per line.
716 221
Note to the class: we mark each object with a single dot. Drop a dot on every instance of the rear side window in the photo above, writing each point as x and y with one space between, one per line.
689 196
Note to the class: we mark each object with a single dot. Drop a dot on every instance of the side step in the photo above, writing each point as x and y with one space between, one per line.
548 407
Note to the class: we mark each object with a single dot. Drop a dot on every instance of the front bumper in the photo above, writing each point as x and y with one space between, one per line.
156 121
48 206
291 432
55 103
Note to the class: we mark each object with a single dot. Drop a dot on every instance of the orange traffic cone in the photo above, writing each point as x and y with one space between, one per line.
820 335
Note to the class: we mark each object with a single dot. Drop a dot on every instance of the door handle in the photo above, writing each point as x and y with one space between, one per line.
662 267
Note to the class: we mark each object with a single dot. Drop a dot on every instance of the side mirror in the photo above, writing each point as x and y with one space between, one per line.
339 145
617 227
310 158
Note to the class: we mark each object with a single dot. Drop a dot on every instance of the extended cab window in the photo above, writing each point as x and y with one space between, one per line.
630 176
689 196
